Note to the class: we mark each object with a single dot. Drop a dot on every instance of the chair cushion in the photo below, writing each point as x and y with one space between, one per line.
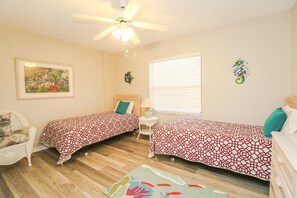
5 124
17 137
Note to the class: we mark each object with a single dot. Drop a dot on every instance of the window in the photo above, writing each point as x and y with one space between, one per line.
175 85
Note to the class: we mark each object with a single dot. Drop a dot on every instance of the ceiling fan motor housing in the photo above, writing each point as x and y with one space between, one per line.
121 21
123 3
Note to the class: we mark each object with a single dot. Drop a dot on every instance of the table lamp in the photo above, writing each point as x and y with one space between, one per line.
147 105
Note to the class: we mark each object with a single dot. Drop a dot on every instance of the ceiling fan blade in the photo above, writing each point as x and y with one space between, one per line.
152 26
131 9
93 18
135 39
105 33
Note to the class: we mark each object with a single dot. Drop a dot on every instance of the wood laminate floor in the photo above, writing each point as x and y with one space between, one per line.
106 162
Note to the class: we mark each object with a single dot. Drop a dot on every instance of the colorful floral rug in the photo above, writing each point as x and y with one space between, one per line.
147 182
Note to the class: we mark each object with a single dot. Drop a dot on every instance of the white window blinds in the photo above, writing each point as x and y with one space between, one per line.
175 85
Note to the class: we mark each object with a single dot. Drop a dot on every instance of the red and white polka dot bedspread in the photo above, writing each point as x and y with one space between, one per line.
71 134
237 147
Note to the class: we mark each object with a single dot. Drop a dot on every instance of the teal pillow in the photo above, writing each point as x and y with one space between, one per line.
274 122
122 107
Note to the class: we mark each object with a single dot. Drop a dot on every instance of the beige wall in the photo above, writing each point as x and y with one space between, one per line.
109 82
88 76
265 43
294 50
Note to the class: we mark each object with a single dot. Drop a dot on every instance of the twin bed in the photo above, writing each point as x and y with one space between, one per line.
71 134
237 147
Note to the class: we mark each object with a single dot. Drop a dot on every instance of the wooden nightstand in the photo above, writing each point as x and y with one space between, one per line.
146 125
283 181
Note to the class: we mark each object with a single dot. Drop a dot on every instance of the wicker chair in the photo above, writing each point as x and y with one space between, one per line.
11 154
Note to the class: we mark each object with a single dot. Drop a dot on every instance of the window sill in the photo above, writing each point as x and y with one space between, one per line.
179 114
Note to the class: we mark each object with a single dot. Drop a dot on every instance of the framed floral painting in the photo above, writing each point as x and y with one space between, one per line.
38 79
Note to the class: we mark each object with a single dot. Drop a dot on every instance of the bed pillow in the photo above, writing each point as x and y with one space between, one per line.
130 107
290 126
5 124
287 109
122 107
274 122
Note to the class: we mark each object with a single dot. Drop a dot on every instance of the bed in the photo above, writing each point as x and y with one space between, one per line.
71 134
237 147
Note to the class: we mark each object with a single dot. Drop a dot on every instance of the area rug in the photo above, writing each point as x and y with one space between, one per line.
147 182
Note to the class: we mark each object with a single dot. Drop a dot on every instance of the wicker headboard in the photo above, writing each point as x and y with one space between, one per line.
291 101
134 98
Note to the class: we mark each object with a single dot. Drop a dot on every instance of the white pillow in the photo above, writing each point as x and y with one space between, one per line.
290 126
130 107
287 109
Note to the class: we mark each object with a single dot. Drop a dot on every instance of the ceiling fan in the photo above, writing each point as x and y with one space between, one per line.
122 23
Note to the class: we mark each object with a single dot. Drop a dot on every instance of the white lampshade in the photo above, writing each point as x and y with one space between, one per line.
117 33
127 34
147 103
123 34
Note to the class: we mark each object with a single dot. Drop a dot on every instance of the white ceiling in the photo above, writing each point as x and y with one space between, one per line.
53 18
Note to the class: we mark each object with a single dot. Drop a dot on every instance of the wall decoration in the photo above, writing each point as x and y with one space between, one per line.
240 71
128 77
38 79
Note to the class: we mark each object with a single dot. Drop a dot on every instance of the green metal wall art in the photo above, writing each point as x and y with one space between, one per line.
240 71
128 77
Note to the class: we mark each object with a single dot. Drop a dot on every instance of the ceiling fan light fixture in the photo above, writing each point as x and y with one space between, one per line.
123 34
127 34
117 33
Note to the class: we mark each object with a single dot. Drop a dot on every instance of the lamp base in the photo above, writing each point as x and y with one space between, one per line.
148 114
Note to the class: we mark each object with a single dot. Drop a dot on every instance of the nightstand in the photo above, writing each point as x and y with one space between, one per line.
283 180
146 125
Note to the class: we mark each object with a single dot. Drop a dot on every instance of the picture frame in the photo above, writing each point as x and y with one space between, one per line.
39 79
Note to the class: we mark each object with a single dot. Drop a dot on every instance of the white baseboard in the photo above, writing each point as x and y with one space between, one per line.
40 147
